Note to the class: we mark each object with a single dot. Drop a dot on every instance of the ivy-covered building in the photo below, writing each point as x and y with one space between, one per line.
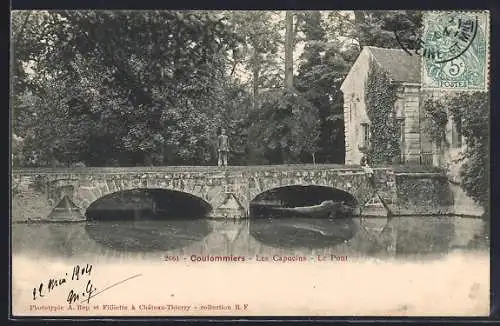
383 111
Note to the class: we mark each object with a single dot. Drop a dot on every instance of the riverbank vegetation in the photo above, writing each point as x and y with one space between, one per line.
126 88
471 114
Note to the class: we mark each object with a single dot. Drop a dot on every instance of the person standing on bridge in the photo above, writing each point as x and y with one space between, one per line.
222 148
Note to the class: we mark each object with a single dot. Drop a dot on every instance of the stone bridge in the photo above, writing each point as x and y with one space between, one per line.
36 192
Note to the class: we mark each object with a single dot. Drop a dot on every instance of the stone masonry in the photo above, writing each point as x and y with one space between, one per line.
36 192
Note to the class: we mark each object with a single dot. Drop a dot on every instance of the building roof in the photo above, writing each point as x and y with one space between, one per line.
399 64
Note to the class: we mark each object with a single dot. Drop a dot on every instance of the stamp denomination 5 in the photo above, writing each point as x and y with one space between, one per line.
454 50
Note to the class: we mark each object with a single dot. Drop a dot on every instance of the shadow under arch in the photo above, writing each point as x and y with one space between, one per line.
298 195
150 204
300 232
145 220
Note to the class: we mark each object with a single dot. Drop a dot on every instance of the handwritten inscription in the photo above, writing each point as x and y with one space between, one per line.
45 288
88 293
80 271
78 274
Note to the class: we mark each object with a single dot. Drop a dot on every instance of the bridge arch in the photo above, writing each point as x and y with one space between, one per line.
155 202
353 183
87 192
300 195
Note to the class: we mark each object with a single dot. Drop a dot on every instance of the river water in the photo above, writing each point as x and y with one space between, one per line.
413 266
400 237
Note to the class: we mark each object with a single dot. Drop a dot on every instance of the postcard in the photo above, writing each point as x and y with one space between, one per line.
250 163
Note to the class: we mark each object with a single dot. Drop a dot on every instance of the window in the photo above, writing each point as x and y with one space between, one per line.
399 108
401 124
365 135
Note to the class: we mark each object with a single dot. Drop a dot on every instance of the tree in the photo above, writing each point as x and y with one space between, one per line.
126 83
376 28
259 41
379 28
472 111
289 45
290 130
322 69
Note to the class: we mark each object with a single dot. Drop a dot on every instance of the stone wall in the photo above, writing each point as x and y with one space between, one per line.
410 194
385 185
29 198
353 89
423 194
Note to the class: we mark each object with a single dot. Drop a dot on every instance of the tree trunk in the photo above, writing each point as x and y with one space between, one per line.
359 19
255 81
289 50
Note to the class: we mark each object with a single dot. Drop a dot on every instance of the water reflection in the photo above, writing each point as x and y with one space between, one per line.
425 234
145 235
354 237
302 232
61 239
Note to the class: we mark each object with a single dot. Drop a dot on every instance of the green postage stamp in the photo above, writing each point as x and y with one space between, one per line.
455 52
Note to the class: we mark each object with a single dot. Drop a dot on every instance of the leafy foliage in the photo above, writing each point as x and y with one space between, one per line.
291 128
379 28
126 85
257 49
437 118
380 97
153 87
473 112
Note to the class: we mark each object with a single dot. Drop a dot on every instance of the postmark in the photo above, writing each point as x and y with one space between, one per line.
455 50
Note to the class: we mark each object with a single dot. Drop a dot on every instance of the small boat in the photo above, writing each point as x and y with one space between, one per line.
48 221
327 209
